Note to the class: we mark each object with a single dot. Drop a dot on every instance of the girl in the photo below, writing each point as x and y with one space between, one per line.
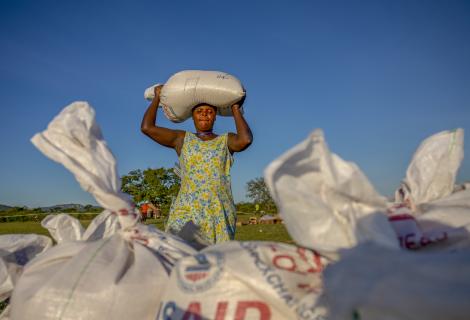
205 196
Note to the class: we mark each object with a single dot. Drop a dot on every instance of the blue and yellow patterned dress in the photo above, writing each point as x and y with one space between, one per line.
205 196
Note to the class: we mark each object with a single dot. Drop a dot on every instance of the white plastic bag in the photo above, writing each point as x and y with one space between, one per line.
415 233
15 251
437 209
433 168
371 282
63 227
327 203
246 281
119 268
186 89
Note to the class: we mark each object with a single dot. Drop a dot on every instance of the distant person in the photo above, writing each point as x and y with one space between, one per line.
156 213
205 196
144 210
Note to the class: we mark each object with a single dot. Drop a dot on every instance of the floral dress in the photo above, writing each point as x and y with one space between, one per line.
205 196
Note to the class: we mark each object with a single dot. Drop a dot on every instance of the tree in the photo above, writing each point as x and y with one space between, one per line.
245 207
159 186
258 192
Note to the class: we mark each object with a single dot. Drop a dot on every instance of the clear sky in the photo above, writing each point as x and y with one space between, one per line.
377 76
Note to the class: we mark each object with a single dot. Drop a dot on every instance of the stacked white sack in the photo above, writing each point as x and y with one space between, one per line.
433 168
371 282
117 268
327 203
429 209
186 89
246 281
15 251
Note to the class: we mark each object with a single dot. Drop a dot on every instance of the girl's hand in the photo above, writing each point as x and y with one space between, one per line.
157 90
239 104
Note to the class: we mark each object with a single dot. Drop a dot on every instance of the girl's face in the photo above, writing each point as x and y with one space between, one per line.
204 117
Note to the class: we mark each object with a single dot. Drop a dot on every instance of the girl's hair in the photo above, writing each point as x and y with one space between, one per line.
204 104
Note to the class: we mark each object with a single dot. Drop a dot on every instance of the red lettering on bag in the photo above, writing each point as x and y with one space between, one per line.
243 306
221 310
277 261
316 260
193 312
289 263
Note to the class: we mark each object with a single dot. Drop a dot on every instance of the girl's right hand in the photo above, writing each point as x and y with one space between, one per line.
157 91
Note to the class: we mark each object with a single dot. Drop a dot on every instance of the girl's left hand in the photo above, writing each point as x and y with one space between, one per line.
239 104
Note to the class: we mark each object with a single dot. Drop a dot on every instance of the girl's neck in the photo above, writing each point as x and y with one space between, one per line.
202 134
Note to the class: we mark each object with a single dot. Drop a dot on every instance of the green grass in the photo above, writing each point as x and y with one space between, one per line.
28 227
266 232
263 232
22 227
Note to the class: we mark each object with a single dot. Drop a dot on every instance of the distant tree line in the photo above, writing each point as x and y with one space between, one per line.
160 186
55 209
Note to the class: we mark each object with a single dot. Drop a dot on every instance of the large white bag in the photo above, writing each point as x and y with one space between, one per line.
438 212
327 203
117 268
186 89
432 171
246 280
371 282
15 251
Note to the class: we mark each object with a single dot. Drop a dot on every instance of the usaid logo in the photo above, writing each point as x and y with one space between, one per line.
199 272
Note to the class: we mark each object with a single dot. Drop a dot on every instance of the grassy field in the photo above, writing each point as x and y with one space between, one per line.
264 232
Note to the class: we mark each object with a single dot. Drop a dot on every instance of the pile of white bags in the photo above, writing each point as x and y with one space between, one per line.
329 206
115 269
186 89
119 268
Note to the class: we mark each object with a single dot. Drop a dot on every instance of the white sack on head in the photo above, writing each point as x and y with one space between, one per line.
326 202
15 251
433 168
186 89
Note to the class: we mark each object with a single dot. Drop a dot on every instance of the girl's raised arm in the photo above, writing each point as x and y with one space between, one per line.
164 136
243 138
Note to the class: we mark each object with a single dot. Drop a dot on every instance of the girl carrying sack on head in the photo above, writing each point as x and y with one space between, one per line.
205 197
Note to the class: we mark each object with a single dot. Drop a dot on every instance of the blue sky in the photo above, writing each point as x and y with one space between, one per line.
377 76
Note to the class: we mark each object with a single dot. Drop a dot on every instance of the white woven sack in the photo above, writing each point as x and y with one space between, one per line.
116 269
119 277
433 169
186 89
15 251
371 282
246 280
327 203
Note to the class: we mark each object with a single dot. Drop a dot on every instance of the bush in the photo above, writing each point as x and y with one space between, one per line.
24 217
39 216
